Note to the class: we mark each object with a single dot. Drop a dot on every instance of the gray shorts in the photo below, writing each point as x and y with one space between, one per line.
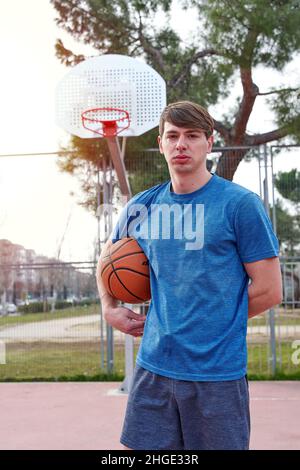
169 414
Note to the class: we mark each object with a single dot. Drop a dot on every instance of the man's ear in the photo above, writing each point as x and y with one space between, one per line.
159 144
210 142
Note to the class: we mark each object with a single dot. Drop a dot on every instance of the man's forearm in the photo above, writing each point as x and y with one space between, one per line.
107 301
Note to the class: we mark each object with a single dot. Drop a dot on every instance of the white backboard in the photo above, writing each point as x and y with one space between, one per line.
113 81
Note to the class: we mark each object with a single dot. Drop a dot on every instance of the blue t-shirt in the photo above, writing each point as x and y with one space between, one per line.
196 244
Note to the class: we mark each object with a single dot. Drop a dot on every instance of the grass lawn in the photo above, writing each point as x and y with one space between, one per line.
61 360
282 317
259 362
76 361
58 361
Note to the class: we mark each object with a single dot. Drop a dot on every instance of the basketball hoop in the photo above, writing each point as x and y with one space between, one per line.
107 122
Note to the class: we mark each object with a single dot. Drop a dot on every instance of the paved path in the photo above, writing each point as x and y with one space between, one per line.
83 328
75 328
90 415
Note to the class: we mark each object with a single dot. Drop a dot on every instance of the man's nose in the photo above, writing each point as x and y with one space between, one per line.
181 142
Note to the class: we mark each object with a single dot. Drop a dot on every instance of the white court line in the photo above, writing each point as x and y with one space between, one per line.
274 399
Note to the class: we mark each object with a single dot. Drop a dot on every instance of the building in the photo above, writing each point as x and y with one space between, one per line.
24 275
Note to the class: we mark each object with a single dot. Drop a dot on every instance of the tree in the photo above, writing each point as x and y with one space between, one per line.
288 184
233 39
288 231
84 159
288 225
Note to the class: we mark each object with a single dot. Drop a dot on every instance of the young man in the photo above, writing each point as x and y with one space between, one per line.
205 237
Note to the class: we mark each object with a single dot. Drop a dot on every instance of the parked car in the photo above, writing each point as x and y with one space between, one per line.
8 309
72 299
291 290
11 308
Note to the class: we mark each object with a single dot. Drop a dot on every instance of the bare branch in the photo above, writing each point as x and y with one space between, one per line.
223 130
259 139
187 66
283 90
146 44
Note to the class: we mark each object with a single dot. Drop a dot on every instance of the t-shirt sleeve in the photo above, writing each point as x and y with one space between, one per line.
255 237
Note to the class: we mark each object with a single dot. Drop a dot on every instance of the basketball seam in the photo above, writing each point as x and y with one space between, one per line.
107 256
123 256
119 247
114 272
133 271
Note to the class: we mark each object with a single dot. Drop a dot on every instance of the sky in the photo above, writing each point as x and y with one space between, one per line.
36 199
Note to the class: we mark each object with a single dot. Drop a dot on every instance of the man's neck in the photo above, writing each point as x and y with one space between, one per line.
183 184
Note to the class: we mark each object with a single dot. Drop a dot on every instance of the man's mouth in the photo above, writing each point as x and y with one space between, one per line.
181 158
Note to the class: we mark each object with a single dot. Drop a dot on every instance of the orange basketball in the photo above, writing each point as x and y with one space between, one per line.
125 272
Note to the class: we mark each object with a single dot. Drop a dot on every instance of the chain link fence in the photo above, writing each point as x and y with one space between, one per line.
50 322
51 325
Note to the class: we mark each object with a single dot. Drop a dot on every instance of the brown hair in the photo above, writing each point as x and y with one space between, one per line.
187 114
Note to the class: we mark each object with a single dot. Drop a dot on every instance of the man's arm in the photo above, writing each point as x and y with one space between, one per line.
107 301
265 289
121 318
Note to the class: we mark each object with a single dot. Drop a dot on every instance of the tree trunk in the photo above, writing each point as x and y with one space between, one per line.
228 163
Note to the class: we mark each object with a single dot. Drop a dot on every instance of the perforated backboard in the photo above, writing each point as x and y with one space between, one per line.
112 81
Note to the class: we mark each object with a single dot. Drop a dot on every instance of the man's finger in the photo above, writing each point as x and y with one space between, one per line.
136 325
138 333
136 316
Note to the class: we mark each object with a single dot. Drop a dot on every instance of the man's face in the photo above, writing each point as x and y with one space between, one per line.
184 149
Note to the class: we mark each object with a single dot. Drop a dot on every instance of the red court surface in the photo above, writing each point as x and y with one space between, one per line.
90 415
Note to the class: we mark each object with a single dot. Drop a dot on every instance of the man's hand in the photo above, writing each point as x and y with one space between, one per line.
125 320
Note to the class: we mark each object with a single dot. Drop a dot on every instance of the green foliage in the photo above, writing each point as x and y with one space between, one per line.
38 307
286 107
146 169
288 184
253 32
288 226
83 159
288 231
232 39
109 27
35 307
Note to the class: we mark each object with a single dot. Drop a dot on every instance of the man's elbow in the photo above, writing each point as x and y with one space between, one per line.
276 297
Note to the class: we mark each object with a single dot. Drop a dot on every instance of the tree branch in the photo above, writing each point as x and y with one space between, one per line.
187 66
223 130
283 90
250 93
66 56
152 51
259 139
